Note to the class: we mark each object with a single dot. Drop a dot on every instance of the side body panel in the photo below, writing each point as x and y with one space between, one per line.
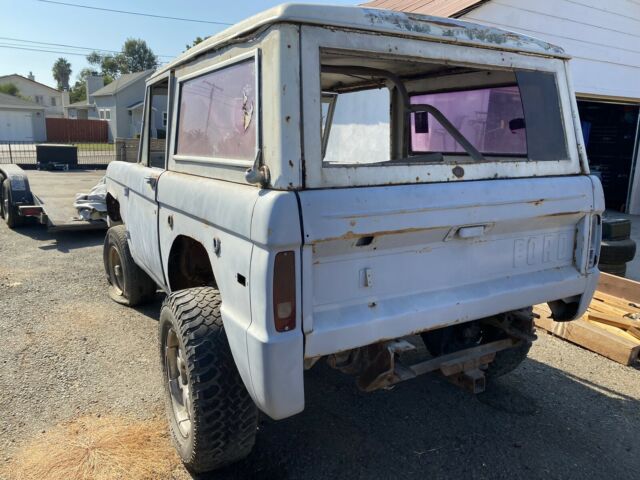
249 226
134 186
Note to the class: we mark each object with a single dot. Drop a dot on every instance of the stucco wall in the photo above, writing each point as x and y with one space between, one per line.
108 102
131 95
37 121
39 127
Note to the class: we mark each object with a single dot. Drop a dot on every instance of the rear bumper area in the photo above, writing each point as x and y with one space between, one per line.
347 327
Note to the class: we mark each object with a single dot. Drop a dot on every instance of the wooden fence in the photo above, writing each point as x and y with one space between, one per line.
67 130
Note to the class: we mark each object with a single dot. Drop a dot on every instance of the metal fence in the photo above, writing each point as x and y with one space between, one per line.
89 154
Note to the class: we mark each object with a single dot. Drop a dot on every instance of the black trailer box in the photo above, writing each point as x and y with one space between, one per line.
54 156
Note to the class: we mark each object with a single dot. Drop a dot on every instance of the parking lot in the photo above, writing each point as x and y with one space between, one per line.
69 352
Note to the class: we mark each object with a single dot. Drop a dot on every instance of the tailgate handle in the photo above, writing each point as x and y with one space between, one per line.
472 231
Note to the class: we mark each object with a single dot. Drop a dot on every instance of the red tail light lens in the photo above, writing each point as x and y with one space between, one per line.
284 291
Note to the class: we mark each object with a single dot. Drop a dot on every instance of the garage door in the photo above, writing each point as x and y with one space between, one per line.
16 126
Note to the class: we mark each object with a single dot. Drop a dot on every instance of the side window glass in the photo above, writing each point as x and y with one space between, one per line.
155 134
218 114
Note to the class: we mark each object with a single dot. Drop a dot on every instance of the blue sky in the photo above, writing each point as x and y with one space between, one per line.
43 22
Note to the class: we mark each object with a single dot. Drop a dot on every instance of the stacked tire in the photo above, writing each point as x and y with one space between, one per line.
617 247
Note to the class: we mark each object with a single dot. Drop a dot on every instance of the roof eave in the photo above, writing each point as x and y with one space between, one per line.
8 106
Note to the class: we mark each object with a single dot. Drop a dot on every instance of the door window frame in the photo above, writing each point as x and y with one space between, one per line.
145 133
218 161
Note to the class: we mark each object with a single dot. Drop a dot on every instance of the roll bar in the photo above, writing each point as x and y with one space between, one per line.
406 103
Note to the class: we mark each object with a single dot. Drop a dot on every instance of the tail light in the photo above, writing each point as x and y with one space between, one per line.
284 291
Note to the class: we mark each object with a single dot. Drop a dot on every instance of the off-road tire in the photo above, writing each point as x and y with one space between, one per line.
10 212
619 270
616 252
438 343
137 287
223 417
616 228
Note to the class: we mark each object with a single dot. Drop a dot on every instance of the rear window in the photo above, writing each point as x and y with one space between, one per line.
492 119
518 120
404 113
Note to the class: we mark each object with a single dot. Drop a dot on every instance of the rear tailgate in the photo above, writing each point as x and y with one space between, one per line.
384 262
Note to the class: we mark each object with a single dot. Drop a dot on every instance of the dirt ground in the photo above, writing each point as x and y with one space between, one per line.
67 352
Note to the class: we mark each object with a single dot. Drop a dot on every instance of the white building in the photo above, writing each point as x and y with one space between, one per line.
21 120
604 40
51 99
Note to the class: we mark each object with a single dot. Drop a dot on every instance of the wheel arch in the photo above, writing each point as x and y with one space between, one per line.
189 265
113 209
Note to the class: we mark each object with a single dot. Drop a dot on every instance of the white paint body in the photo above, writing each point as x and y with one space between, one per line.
444 250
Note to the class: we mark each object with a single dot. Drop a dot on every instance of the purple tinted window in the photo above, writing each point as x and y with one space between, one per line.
492 119
217 116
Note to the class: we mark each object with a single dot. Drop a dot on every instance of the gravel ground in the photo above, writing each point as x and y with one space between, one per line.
68 351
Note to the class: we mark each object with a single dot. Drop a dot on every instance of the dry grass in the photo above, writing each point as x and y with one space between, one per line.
98 449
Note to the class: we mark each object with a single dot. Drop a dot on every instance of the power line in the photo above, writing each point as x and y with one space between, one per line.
59 52
135 13
71 46
41 50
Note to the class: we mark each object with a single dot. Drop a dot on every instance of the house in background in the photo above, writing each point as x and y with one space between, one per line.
86 109
603 39
21 120
49 98
120 103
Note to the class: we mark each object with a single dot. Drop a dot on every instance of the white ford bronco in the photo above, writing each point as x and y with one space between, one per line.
334 181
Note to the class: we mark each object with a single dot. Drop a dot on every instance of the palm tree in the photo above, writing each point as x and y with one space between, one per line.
61 73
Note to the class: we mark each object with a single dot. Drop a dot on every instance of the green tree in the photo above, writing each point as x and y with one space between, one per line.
195 42
107 63
61 73
78 92
135 56
9 89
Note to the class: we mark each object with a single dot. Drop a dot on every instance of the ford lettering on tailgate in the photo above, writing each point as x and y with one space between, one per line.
540 249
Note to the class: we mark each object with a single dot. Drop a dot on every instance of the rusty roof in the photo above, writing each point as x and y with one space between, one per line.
389 22
439 8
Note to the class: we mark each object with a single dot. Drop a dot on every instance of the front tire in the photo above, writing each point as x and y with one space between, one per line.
212 418
128 283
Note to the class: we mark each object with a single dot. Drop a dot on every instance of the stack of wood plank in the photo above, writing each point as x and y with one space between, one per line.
611 325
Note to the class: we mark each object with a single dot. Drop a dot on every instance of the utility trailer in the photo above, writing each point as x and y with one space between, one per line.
47 196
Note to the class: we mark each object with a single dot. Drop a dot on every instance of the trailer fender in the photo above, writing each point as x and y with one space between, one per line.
18 185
